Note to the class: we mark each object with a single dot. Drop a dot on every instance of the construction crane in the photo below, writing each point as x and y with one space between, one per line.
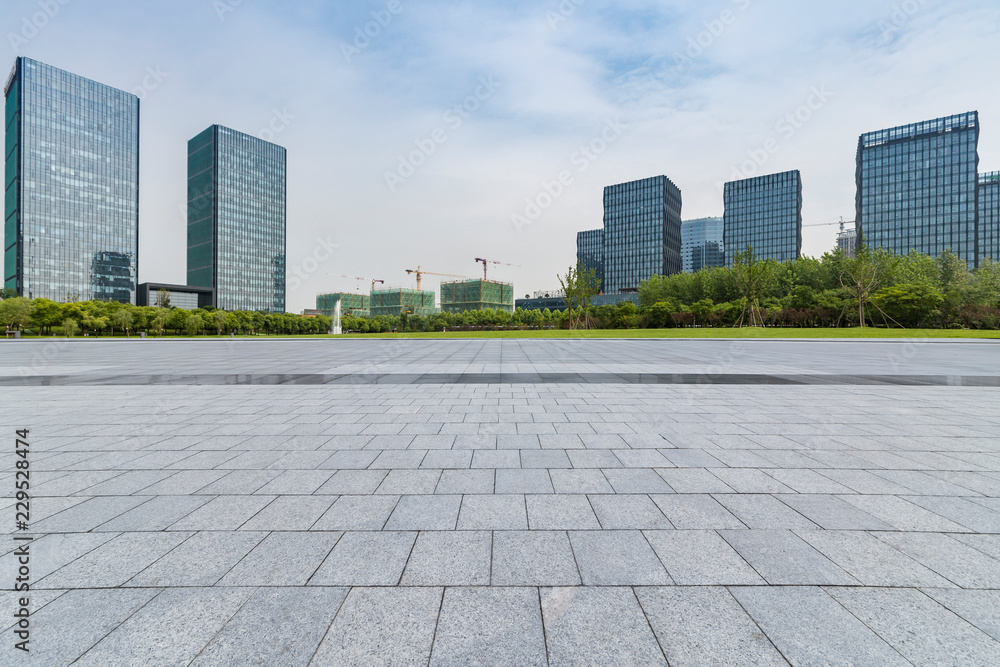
420 272
372 280
827 224
486 262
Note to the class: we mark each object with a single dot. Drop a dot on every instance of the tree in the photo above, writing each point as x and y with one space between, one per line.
192 324
159 321
70 327
46 314
863 275
580 285
123 319
751 276
220 317
908 304
162 298
15 313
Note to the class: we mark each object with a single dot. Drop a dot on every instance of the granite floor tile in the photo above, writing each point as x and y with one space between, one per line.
533 558
701 558
782 558
366 559
617 558
449 558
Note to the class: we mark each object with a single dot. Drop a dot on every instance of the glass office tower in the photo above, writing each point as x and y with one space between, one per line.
702 244
590 251
916 187
989 216
642 232
236 219
764 213
71 186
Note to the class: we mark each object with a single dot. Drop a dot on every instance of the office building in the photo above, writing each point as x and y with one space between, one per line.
642 233
917 187
764 213
989 217
71 186
702 244
236 219
177 296
590 252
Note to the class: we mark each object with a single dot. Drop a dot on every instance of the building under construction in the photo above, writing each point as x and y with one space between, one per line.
463 295
358 305
398 301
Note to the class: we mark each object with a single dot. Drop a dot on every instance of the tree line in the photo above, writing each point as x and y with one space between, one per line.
45 317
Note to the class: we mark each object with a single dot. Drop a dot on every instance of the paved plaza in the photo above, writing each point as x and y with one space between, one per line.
516 502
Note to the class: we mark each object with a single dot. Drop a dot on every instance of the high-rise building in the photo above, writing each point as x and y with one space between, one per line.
847 241
236 219
71 213
989 216
917 187
590 252
642 232
764 213
702 244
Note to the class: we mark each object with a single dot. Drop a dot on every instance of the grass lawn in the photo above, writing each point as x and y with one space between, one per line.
746 332
721 332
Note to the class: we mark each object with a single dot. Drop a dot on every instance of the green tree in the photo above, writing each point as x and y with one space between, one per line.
908 304
219 318
123 319
47 314
580 285
159 321
193 324
70 327
15 313
863 275
752 277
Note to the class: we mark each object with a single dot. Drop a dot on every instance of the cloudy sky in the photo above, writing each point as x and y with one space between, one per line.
433 132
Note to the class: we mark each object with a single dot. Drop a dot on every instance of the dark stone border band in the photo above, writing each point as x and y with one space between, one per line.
498 378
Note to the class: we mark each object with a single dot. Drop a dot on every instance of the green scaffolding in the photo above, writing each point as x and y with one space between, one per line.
463 295
399 301
358 305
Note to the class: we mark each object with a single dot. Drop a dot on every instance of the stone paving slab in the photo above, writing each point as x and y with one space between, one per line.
825 519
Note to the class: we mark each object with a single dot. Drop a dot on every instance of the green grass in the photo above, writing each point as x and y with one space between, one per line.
746 332
721 332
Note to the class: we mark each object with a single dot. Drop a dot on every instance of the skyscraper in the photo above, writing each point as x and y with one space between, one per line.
590 252
71 213
989 216
764 213
642 232
917 187
702 244
236 219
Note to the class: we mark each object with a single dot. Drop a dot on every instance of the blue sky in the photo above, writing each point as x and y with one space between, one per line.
444 133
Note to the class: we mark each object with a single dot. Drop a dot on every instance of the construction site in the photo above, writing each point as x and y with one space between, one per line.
398 301
462 295
358 305
457 296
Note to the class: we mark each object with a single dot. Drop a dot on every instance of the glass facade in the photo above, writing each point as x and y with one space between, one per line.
847 241
71 186
702 244
642 232
590 251
917 187
989 216
236 219
764 213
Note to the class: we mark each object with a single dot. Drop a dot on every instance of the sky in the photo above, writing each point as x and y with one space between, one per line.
430 133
